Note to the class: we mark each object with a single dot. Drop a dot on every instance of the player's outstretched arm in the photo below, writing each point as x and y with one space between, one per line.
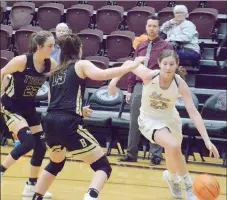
196 117
85 68
141 71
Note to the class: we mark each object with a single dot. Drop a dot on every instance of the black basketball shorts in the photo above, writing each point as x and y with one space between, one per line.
64 130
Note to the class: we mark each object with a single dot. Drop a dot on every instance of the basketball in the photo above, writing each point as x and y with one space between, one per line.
206 187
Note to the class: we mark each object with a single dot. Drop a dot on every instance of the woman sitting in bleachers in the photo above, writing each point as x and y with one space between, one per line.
184 36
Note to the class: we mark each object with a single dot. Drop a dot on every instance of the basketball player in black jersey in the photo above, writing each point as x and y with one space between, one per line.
18 106
63 122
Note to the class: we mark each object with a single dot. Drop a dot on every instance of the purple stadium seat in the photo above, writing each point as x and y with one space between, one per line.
22 14
119 44
101 62
137 19
5 36
6 56
78 17
165 14
204 20
91 40
3 10
108 18
49 15
22 37
123 82
221 6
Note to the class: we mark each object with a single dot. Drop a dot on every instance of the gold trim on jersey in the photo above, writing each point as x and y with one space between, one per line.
82 152
11 118
86 136
85 131
10 90
79 102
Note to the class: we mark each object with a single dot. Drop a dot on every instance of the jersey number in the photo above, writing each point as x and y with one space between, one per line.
30 91
59 78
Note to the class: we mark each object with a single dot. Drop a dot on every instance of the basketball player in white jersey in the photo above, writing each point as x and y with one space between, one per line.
159 120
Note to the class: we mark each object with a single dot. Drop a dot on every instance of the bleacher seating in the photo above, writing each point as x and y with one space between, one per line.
101 19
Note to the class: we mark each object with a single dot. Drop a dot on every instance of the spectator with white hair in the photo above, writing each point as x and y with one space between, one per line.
61 29
183 34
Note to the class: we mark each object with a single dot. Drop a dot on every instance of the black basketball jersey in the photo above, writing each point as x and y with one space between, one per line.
67 91
24 86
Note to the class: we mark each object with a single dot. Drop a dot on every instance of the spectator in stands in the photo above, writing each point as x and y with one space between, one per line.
151 47
61 29
183 34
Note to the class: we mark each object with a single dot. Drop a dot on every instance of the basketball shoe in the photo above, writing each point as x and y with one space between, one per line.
29 191
174 186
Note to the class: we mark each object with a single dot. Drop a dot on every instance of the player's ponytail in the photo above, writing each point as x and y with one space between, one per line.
182 72
71 52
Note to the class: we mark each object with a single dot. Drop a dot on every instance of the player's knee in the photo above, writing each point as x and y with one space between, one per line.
54 168
39 149
174 147
26 143
103 165
21 150
57 155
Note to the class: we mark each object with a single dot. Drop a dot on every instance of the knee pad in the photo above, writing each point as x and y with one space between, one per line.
26 143
39 149
103 165
55 168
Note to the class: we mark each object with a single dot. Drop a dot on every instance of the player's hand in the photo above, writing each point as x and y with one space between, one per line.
128 97
141 59
87 112
212 148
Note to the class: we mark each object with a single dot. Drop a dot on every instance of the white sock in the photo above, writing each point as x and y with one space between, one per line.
88 197
173 177
187 180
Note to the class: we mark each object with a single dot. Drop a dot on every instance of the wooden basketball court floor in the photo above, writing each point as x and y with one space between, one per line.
135 181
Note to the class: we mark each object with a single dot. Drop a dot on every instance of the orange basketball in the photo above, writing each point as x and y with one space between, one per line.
206 187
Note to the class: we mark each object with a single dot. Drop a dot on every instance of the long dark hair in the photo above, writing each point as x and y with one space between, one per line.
167 53
38 38
70 45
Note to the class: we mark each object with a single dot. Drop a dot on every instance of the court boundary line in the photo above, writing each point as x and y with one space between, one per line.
133 166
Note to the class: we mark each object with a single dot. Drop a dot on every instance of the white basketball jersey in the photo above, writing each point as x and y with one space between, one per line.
158 103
